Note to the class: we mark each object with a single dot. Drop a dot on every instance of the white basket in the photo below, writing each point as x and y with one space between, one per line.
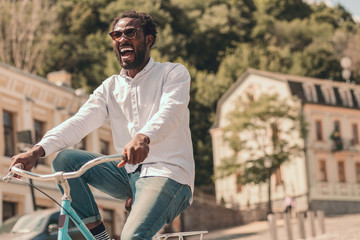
179 235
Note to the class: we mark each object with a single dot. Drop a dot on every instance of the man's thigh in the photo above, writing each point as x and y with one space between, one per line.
106 177
157 201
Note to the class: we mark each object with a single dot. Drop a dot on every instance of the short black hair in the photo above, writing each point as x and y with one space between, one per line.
147 22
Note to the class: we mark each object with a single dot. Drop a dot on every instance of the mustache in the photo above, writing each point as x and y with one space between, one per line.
124 45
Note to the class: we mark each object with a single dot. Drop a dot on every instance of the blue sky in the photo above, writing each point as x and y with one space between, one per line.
352 6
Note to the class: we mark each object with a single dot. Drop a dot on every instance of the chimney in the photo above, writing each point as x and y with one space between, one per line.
60 78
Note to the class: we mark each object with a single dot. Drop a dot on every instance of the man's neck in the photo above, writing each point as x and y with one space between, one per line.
132 72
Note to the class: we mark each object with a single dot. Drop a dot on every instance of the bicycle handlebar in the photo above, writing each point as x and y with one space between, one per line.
16 170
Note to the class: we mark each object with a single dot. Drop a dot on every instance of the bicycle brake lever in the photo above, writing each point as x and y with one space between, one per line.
123 162
10 175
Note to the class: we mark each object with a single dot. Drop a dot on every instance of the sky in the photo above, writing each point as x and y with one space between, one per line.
352 6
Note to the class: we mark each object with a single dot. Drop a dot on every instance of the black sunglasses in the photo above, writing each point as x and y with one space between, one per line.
129 33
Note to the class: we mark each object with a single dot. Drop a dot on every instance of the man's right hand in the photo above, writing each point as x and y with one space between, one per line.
28 158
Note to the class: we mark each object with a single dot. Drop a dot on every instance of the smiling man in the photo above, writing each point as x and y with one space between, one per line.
147 105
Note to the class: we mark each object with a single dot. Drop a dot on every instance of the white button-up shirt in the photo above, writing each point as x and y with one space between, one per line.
154 103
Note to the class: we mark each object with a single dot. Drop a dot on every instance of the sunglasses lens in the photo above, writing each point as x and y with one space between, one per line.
128 33
117 34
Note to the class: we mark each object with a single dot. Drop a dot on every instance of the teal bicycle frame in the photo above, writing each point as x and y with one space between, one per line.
67 212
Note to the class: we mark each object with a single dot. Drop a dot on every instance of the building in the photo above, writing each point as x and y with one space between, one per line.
30 106
326 176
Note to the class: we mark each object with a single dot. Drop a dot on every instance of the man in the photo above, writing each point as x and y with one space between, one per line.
147 108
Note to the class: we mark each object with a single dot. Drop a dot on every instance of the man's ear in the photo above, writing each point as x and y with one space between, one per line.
149 40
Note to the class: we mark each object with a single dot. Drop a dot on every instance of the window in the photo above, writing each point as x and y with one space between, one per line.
327 95
347 99
355 134
238 182
337 127
318 129
341 171
9 209
322 171
278 177
9 134
104 147
309 93
39 131
357 172
39 127
336 137
108 219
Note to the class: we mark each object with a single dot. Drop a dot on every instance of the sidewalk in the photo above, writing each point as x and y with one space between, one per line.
343 227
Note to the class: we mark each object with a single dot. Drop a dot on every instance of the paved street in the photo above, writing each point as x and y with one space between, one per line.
344 227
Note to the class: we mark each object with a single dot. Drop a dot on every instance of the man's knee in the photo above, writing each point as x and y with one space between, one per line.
63 160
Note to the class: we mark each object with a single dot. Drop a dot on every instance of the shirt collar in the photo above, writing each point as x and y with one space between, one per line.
147 67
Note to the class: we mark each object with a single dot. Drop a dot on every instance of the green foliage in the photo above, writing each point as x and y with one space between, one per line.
317 61
268 126
286 9
337 17
216 27
218 40
81 43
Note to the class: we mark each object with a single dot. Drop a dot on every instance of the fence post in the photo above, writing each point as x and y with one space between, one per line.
287 220
300 221
311 216
272 224
320 216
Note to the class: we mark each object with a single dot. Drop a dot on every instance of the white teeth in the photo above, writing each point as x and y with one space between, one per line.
126 49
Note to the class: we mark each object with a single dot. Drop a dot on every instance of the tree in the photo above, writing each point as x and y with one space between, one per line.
317 61
286 9
25 31
81 44
216 27
337 16
266 127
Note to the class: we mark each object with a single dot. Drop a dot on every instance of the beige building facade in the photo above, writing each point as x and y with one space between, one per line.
30 106
326 176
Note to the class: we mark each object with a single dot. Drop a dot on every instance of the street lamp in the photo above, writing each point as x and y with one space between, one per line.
345 63
268 165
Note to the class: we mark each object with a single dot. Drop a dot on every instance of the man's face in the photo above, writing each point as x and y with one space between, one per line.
131 53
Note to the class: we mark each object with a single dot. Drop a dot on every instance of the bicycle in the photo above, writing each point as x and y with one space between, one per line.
67 212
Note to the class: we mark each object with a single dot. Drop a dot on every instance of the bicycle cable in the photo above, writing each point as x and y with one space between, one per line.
47 195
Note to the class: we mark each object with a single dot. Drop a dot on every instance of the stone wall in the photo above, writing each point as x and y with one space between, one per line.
205 214
335 207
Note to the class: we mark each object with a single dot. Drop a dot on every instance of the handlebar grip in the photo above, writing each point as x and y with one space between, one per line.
10 175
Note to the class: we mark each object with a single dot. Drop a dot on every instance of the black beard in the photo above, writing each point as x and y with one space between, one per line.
138 59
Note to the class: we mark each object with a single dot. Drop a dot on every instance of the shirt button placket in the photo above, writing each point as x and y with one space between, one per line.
134 105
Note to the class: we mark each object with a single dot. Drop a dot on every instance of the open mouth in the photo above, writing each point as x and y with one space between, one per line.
126 52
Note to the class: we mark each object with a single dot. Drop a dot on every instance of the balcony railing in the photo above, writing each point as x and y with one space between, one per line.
345 145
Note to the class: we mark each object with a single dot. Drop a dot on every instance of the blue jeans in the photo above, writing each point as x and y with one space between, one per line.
156 200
